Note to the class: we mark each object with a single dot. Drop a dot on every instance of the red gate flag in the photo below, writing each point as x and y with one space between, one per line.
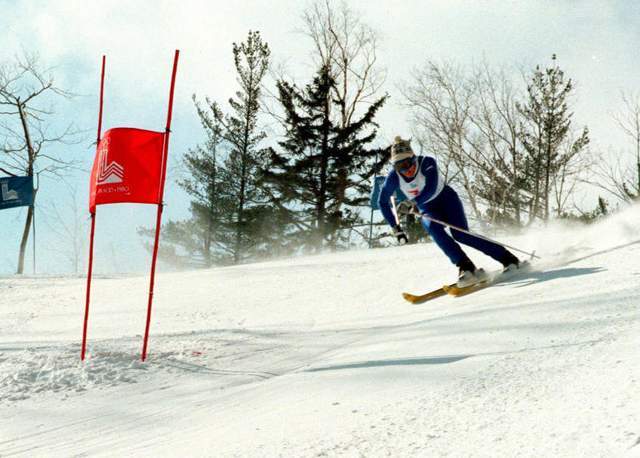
127 167
130 166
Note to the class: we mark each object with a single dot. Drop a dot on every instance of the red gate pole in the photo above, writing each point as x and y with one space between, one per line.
86 308
163 172
93 225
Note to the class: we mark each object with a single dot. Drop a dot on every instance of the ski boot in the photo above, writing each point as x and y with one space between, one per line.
468 274
510 262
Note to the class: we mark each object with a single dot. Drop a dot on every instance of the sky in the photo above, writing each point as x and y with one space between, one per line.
596 43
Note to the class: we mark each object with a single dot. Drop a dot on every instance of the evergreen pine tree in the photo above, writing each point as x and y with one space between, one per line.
321 172
228 217
240 131
204 239
211 201
547 123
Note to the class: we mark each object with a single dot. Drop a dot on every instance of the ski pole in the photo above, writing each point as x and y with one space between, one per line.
394 209
422 215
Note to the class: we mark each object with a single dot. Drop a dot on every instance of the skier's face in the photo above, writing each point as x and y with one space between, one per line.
411 171
407 167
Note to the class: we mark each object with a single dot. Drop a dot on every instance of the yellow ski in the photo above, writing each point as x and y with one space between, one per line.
457 291
453 289
492 278
420 298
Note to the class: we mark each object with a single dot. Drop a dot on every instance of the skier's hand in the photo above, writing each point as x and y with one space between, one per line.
400 235
406 207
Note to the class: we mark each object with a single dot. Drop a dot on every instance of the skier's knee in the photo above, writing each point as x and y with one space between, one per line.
436 232
460 236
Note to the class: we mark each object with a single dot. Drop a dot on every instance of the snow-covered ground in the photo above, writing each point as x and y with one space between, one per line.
320 356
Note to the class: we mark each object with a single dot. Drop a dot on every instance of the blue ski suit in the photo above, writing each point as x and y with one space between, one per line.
436 199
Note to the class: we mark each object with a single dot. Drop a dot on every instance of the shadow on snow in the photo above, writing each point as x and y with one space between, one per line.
393 362
442 359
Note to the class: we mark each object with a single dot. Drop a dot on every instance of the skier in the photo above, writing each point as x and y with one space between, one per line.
418 178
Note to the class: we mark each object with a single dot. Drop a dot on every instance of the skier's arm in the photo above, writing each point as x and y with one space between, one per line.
384 200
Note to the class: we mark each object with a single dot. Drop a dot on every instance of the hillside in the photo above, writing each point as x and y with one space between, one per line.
320 356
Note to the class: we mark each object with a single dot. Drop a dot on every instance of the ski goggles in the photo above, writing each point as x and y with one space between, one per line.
402 148
405 164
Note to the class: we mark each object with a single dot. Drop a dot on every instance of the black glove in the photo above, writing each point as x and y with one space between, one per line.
400 235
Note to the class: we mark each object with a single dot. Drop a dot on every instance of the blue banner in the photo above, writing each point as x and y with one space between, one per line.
16 192
375 193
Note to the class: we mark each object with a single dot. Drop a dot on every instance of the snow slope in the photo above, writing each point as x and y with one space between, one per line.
320 356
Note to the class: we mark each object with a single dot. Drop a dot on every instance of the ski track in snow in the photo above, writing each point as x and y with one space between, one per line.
319 356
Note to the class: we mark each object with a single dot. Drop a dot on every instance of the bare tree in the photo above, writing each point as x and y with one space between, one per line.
68 223
471 117
498 151
348 47
612 173
26 96
571 172
628 119
440 98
